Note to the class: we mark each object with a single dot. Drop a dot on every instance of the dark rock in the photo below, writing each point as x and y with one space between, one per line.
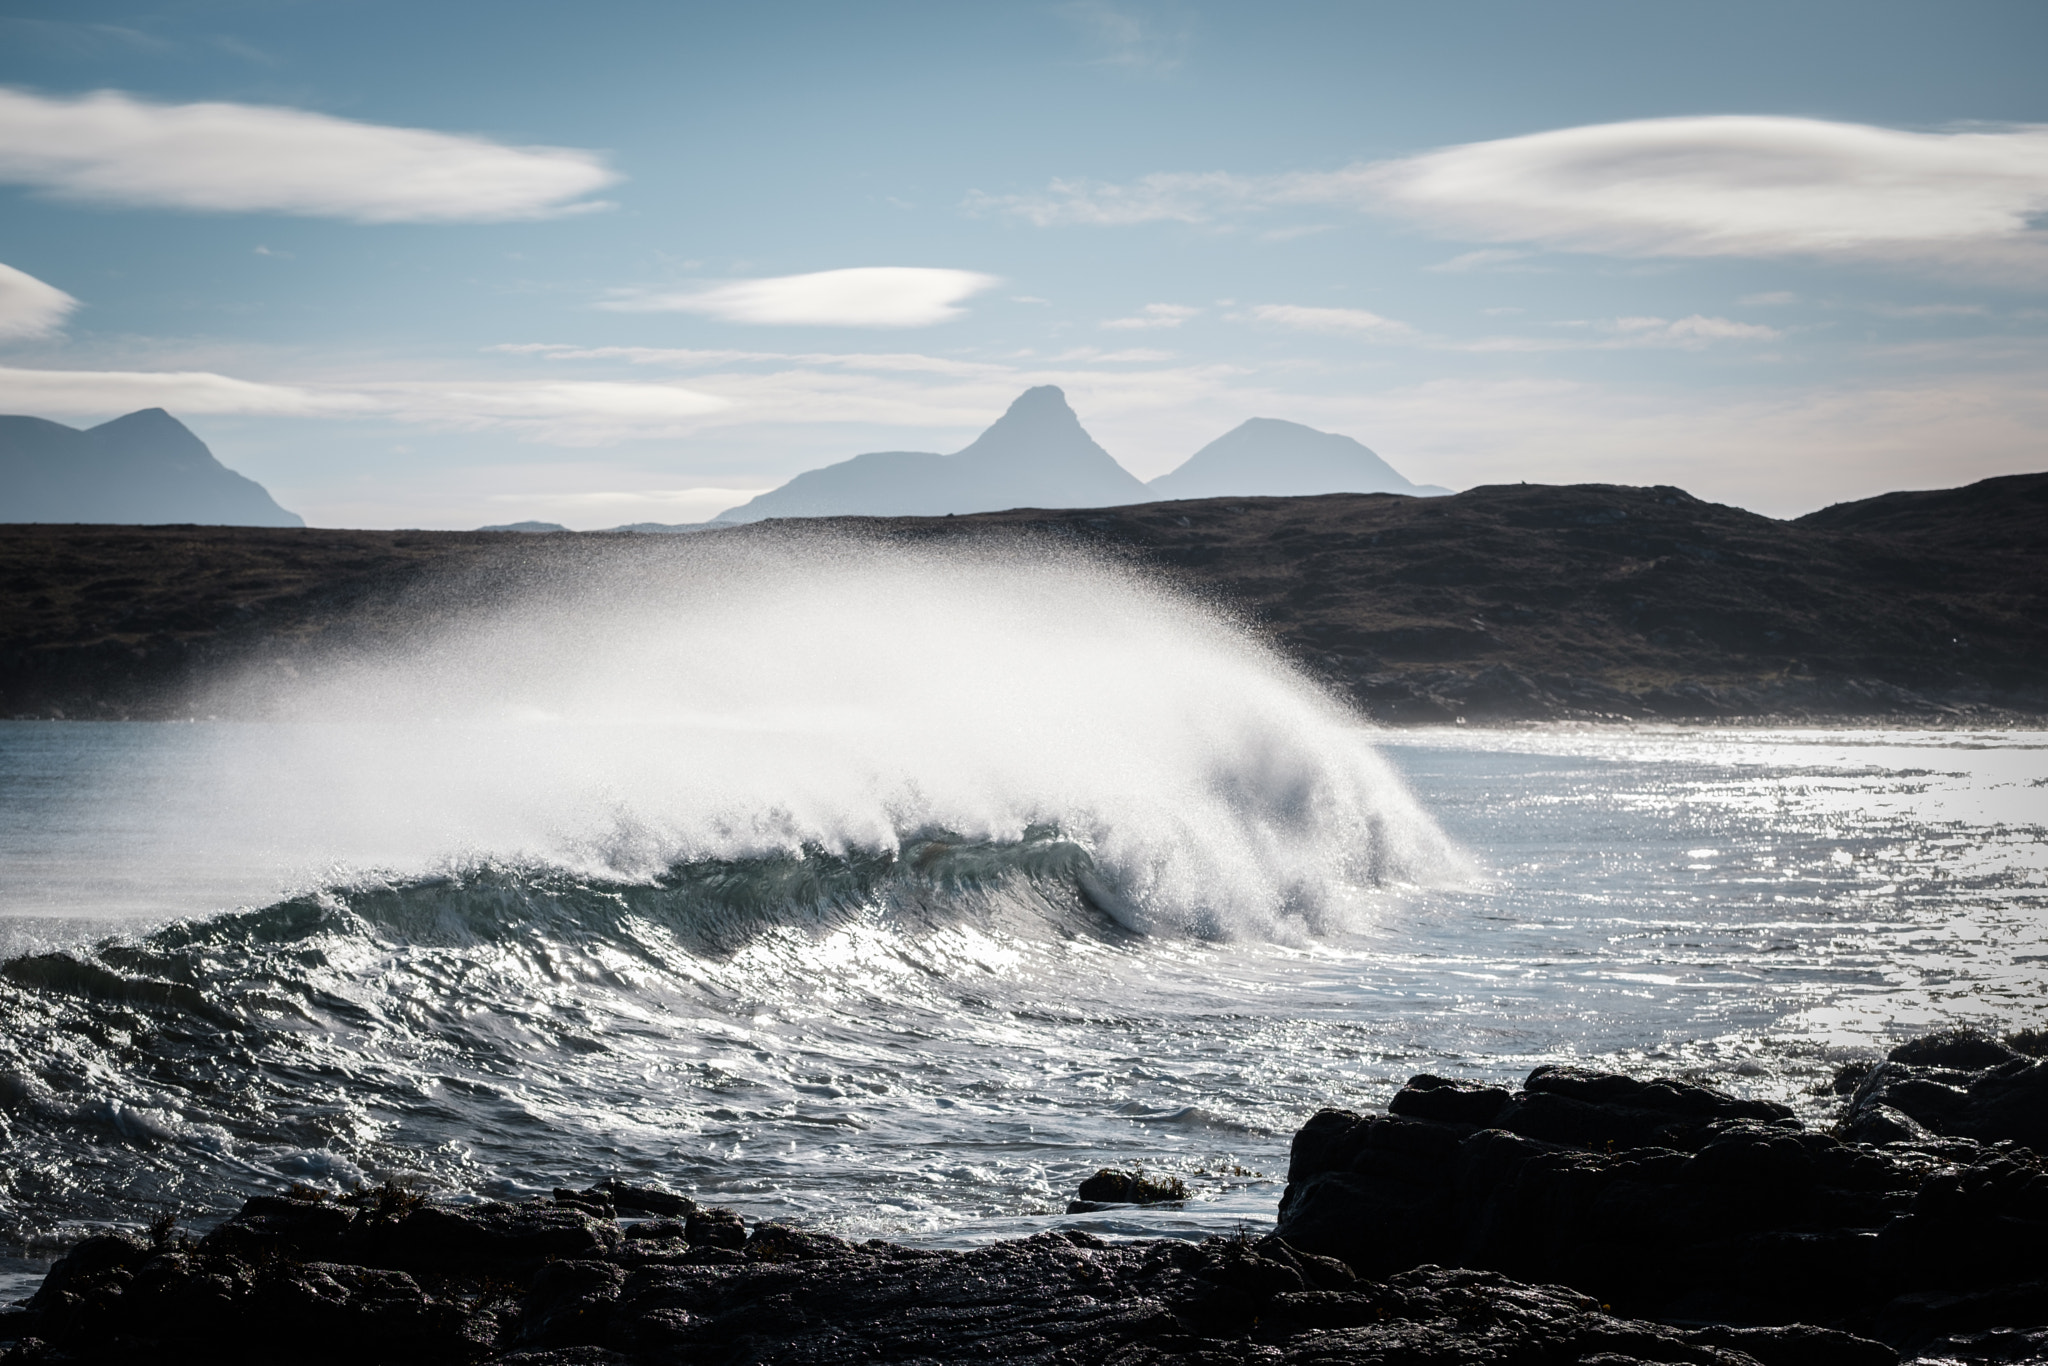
489 1235
570 1304
1964 1050
798 1296
278 1226
1455 1102
716 1228
1570 1105
784 1243
1877 1122
1677 1201
1109 1187
1931 1083
658 1230
626 1199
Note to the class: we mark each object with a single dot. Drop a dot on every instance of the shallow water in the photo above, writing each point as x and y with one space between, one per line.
935 1041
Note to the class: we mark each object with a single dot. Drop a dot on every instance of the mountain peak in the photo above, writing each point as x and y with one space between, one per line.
1036 454
1275 458
144 467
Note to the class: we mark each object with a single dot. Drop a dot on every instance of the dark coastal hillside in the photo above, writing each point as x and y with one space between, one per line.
1500 603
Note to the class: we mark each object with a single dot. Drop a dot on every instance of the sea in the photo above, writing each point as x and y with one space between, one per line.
893 892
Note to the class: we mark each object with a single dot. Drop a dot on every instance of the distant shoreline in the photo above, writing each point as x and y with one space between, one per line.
1497 606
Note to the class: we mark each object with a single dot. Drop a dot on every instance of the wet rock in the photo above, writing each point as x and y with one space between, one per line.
1571 1105
1964 1050
659 1230
1880 1123
1678 1201
1933 1083
488 1235
1109 1187
1454 1102
715 1228
803 1297
629 1199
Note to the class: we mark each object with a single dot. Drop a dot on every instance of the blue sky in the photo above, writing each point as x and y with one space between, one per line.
444 265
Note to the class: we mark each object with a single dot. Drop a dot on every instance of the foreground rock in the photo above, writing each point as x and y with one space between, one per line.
1956 1085
558 1283
1679 1202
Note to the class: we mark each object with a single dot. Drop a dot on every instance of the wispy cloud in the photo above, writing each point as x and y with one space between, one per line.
1694 333
1487 258
110 148
1722 185
1885 310
1694 330
1154 315
570 413
30 308
865 296
1350 322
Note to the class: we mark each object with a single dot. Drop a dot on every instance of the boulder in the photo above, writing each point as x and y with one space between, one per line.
1675 1201
1957 1086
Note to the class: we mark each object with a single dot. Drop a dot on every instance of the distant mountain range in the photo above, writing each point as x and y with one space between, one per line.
1038 455
144 468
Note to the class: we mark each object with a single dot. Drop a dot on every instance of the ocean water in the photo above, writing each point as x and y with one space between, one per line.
895 893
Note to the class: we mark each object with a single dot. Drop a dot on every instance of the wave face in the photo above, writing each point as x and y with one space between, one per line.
708 861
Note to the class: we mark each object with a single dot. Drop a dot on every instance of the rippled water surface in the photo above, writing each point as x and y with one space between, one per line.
934 1041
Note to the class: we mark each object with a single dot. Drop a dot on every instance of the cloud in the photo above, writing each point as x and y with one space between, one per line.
568 413
1776 298
1694 333
1487 258
1351 322
866 296
1154 315
1695 330
30 308
1735 185
1163 196
109 148
1928 310
1720 185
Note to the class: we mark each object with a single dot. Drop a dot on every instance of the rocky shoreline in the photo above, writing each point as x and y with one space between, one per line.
1586 1217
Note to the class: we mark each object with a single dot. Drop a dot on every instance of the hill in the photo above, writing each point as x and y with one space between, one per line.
1499 603
1266 457
145 468
1036 455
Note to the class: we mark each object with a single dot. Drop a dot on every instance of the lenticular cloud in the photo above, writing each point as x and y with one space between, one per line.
864 296
1735 186
109 148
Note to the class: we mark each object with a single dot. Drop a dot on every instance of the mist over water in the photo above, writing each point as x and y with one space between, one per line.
627 710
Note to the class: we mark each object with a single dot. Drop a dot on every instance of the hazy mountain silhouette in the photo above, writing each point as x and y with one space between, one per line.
146 467
1268 458
1036 455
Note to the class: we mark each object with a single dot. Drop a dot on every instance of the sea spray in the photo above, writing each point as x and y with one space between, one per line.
623 708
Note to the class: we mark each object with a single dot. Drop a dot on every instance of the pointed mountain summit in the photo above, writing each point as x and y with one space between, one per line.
1268 458
145 468
1036 455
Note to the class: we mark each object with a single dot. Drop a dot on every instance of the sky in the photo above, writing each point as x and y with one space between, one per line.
456 264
